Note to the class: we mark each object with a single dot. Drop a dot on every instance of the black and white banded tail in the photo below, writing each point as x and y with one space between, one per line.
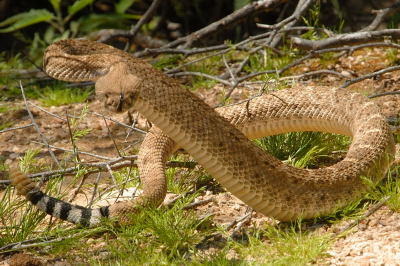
55 207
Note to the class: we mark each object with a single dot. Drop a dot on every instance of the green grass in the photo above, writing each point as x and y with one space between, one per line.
389 187
6 125
305 149
49 93
163 235
392 56
55 97
4 108
284 246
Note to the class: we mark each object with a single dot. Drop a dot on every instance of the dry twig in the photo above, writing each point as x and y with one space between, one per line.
144 19
35 125
346 39
371 211
230 20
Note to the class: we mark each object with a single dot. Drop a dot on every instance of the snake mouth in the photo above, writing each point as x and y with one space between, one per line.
116 103
120 102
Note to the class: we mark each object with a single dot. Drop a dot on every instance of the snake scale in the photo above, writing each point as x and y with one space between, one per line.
218 139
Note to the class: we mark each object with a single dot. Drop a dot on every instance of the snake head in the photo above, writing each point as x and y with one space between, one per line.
118 88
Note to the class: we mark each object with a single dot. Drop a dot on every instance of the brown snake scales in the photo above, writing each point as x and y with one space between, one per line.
218 138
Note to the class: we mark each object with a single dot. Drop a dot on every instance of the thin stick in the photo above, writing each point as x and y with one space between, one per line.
144 19
49 113
79 151
112 138
118 122
384 94
15 128
96 185
42 136
370 75
372 210
198 203
71 135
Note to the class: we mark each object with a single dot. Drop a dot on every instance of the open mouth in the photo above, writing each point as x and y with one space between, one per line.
120 102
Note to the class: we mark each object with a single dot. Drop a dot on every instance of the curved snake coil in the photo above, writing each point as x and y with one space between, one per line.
218 139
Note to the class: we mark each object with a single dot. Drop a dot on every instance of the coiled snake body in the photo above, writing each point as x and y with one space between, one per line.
218 139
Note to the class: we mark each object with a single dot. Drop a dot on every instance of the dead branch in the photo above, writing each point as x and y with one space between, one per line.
298 28
107 35
38 242
118 122
380 15
287 23
237 46
200 74
185 52
144 19
15 128
346 39
311 54
228 21
93 113
112 137
233 84
240 221
198 203
384 94
96 167
315 73
370 75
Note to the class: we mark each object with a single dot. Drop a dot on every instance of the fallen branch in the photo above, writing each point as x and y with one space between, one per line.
380 14
118 163
370 75
346 39
15 128
228 21
384 94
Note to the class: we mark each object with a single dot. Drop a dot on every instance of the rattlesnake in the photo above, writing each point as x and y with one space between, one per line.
218 138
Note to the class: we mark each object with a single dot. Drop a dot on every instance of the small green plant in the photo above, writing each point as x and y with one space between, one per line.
5 125
167 61
388 188
77 132
392 56
29 163
269 61
304 149
55 96
18 221
312 20
204 67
